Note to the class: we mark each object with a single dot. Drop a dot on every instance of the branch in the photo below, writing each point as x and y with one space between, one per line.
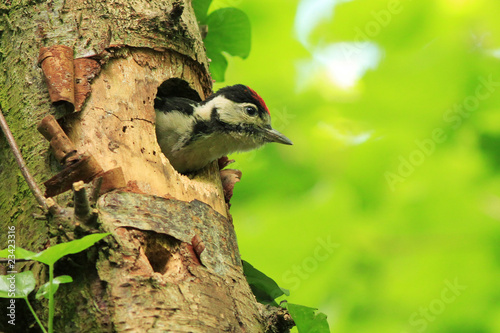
20 162
83 211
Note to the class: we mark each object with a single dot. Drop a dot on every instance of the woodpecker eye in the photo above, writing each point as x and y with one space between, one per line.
251 111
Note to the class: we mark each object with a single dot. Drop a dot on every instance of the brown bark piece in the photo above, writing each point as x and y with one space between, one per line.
64 149
86 70
111 180
229 177
85 168
58 69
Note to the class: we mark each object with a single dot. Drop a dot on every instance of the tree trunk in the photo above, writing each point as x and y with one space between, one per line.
172 261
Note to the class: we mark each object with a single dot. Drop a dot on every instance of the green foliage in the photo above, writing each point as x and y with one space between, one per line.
19 285
24 284
18 252
266 290
45 290
200 8
397 245
228 31
25 281
56 252
307 320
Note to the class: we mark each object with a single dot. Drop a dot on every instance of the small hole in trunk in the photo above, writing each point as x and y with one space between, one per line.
158 250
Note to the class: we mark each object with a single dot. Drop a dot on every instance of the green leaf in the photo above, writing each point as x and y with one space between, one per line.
22 284
264 288
44 290
306 320
229 31
200 8
218 65
56 252
19 253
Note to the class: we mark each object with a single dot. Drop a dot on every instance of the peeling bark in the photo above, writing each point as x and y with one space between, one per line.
180 292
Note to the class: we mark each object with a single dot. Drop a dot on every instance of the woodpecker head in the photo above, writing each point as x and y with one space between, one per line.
240 109
192 134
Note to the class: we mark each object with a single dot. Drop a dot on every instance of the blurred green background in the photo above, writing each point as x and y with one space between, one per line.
385 213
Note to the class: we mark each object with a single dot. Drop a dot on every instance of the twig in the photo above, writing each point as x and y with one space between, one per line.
83 212
20 162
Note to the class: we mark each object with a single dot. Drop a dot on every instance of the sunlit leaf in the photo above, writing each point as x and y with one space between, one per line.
17 285
229 31
56 252
306 320
19 253
218 65
265 289
44 290
200 8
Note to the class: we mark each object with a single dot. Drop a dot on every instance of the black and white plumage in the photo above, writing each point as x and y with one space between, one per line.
192 134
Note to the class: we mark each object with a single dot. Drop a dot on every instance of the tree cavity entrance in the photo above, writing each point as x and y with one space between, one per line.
159 249
176 87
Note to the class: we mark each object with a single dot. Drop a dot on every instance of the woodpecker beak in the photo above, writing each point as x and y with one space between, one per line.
273 135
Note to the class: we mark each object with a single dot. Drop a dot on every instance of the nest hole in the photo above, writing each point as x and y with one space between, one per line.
158 249
176 87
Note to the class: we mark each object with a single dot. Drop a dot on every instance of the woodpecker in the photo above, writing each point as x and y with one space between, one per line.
192 134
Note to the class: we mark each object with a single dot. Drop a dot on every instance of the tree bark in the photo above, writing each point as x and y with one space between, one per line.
172 261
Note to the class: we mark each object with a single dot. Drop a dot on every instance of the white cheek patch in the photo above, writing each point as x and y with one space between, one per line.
222 104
